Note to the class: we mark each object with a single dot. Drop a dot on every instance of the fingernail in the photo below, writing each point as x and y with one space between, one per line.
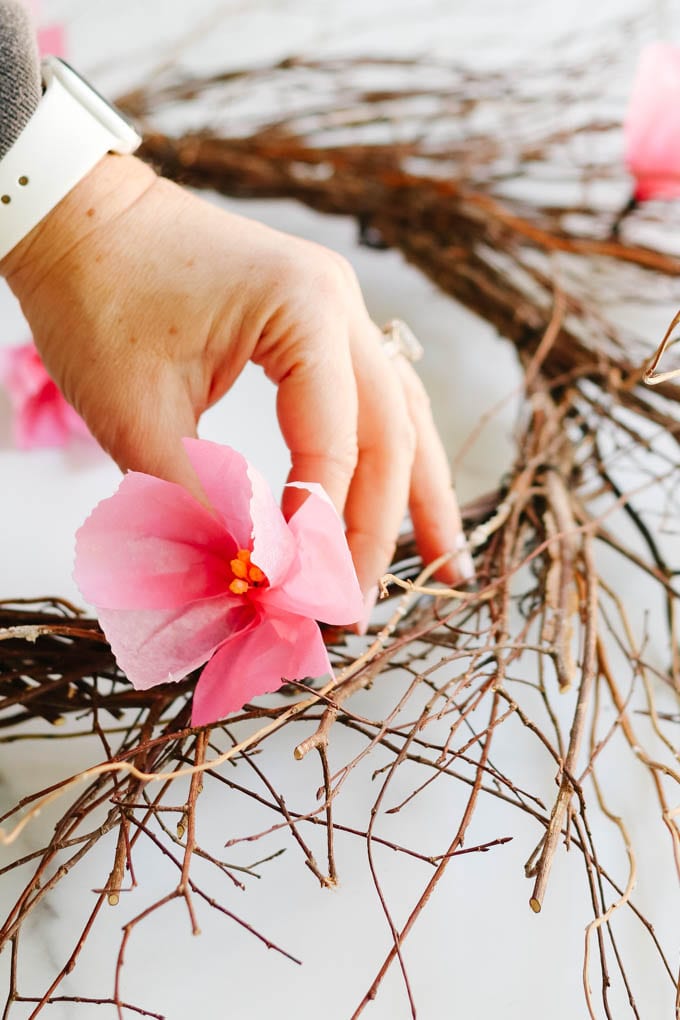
370 599
463 562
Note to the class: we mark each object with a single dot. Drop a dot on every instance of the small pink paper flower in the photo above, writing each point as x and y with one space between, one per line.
42 417
652 124
51 38
177 584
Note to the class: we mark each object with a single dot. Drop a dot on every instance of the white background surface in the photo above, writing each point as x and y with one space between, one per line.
477 951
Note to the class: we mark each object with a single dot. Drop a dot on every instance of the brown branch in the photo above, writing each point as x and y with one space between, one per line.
589 422
588 673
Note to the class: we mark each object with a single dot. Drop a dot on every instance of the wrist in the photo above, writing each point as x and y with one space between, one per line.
104 194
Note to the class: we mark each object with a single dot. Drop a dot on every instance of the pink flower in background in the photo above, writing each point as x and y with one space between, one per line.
51 38
177 585
42 417
652 124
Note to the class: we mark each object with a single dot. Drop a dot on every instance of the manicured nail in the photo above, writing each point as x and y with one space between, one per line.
370 599
463 562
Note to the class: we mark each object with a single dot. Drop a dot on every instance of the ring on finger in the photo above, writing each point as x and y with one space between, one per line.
398 338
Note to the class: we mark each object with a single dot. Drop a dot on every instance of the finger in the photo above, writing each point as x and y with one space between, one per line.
146 435
379 492
317 411
432 500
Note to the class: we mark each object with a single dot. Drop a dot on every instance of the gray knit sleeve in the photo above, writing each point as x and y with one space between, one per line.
19 72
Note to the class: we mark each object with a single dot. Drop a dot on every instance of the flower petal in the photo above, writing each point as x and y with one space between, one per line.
322 582
281 646
273 542
51 39
42 417
22 371
155 646
652 123
151 546
244 501
223 473
39 422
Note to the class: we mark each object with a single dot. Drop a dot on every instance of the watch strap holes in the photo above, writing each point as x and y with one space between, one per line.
22 181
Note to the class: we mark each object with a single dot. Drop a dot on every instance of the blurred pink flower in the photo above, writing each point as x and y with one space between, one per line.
42 417
652 124
177 584
51 38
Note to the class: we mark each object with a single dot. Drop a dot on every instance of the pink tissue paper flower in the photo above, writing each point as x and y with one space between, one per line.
177 584
51 38
652 123
42 417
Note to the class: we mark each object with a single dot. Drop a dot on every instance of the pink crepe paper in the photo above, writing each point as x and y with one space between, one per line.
177 584
51 38
652 124
42 417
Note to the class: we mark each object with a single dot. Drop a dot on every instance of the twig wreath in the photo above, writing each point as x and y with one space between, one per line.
394 144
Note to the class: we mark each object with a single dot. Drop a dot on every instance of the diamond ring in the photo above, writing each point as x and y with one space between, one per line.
398 338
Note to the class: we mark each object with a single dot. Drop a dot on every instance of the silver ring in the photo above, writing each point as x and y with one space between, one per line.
398 338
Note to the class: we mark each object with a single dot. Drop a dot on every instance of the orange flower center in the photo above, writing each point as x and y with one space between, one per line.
246 574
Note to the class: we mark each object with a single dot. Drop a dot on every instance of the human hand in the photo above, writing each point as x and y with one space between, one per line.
146 302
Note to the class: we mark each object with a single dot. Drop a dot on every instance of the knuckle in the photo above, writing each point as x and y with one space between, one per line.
373 540
396 442
417 396
290 273
316 285
344 457
329 278
312 263
406 438
344 267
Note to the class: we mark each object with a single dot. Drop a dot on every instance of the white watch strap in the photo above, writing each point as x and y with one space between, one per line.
60 144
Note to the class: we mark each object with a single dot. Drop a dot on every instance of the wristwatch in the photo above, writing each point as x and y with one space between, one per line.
69 132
